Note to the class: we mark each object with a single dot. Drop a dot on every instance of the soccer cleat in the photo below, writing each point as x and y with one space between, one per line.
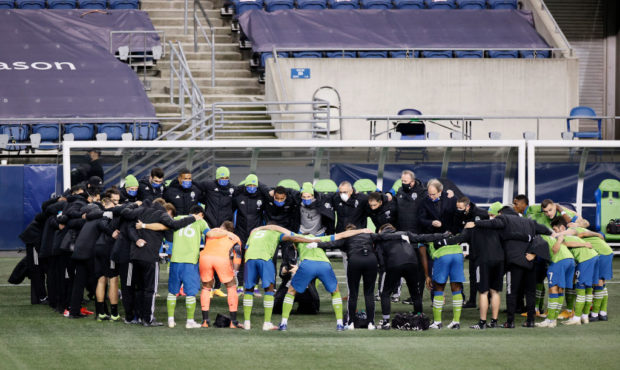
584 319
377 297
493 324
152 324
508 325
171 323
469 305
543 324
602 318
371 326
219 293
479 326
269 326
192 325
408 301
240 290
541 314
349 327
282 327
395 299
528 324
84 311
115 318
205 324
246 325
573 321
66 313
79 316
436 325
102 317
339 327
454 325
384 324
130 322
235 325
565 315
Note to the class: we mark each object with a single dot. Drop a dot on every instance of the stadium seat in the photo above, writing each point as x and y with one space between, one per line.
124 4
246 5
502 4
437 53
307 54
289 184
92 4
372 54
471 4
340 54
273 5
343 4
16 134
607 206
404 54
365 186
325 186
50 133
535 54
468 54
145 130
311 4
30 4
7 4
265 56
503 54
80 131
411 129
114 131
61 4
584 111
440 4
376 4
409 4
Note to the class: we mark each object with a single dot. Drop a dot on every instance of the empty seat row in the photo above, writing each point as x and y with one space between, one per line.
242 6
70 4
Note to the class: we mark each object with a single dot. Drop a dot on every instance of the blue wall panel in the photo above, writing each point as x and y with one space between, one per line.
11 206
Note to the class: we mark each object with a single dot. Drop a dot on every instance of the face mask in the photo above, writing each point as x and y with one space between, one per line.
344 197
223 182
435 200
460 211
407 188
155 186
186 184
132 193
278 204
307 202
251 189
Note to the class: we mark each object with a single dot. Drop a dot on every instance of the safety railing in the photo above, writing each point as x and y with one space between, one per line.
125 52
210 41
182 82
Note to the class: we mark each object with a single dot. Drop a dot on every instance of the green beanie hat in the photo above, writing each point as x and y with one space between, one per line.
222 172
495 207
251 180
131 181
307 188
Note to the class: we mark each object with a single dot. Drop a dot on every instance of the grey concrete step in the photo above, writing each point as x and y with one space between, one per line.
228 90
206 56
219 73
160 19
177 30
206 81
179 13
166 4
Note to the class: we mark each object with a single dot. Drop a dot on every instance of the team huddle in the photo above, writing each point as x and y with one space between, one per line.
109 243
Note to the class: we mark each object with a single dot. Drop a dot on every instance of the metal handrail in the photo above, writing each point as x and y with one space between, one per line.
210 42
412 49
186 83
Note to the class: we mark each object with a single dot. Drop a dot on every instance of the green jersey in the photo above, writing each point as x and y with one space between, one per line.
581 254
262 245
186 242
535 213
599 245
444 251
562 254
313 254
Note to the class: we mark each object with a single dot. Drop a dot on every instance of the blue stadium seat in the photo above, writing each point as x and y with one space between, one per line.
80 131
535 54
92 4
340 54
114 131
471 4
124 4
307 54
17 134
7 4
409 4
440 4
502 4
584 111
311 4
273 5
343 4
50 133
404 54
376 4
61 4
246 5
265 56
372 54
30 4
145 130
437 53
468 54
503 54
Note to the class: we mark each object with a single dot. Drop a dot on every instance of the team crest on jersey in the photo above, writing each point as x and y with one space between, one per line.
414 196
192 194
259 203
356 203
178 197
477 218
146 188
231 191
327 205
216 189
387 213
242 202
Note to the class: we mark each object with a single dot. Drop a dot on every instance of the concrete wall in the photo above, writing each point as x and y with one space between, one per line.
485 87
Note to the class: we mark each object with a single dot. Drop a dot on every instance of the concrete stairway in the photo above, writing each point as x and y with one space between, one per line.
234 79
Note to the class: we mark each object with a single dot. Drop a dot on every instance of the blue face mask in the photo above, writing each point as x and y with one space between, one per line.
278 204
251 189
223 182
186 184
307 202
155 186
436 200
132 193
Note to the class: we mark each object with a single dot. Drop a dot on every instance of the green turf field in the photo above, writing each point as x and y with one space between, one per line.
35 337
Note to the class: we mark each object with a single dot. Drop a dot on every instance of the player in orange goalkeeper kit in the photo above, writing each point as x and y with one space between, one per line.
221 254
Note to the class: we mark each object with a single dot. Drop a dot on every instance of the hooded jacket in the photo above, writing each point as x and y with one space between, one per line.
86 239
485 245
218 202
396 248
182 199
249 209
474 214
407 203
288 215
147 191
386 214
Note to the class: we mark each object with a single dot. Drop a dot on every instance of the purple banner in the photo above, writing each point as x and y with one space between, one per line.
398 29
56 63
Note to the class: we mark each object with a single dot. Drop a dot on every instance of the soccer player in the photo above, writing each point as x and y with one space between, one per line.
313 263
260 250
221 255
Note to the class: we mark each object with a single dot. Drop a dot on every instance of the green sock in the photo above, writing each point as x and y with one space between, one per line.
457 305
190 305
438 301
604 301
540 296
552 306
589 297
597 299
337 304
571 296
287 306
580 301
171 303
268 304
248 301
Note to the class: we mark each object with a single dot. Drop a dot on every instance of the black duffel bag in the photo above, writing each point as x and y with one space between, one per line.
613 227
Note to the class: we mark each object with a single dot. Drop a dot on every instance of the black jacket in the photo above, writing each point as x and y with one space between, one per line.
218 202
125 216
429 211
126 198
50 228
147 191
485 245
328 216
386 214
360 245
353 211
249 209
398 248
182 199
407 203
474 214
72 219
286 216
95 169
86 239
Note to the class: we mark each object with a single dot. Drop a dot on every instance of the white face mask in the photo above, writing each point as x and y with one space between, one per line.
344 197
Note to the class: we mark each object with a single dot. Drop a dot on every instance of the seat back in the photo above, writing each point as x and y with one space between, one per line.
440 4
312 4
372 54
290 184
325 186
145 130
273 5
7 4
31 4
48 132
340 54
365 186
124 4
114 131
344 4
468 54
265 56
15 132
247 5
62 4
80 131
503 54
502 4
607 202
307 54
471 4
92 4
584 111
409 4
376 4
404 54
535 54
437 53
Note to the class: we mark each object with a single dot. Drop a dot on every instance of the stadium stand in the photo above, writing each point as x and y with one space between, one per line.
376 4
440 4
503 54
273 5
61 4
409 4
503 4
471 4
343 4
30 4
113 131
469 54
92 4
584 111
70 4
